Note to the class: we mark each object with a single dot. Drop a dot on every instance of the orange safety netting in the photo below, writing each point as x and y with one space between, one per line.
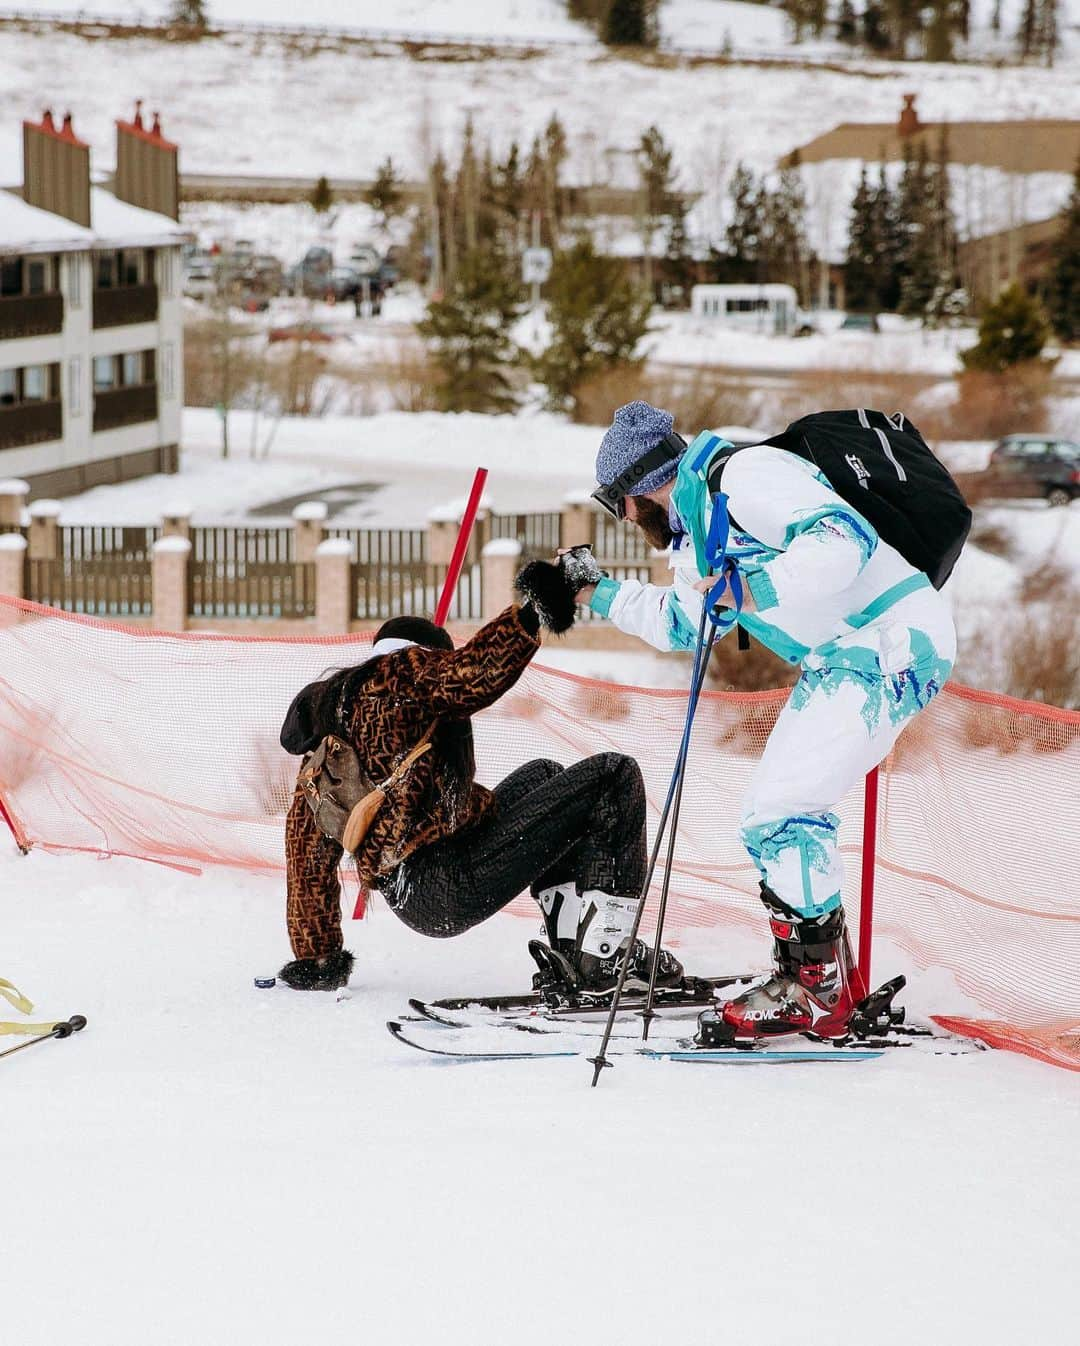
163 746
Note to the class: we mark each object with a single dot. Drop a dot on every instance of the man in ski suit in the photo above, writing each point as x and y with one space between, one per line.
874 640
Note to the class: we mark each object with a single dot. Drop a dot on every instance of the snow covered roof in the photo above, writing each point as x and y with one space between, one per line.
25 229
114 222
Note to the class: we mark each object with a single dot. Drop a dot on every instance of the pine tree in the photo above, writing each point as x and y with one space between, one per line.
631 23
846 23
555 153
1013 331
744 231
883 206
863 251
384 194
1027 33
1063 283
469 328
597 318
875 31
190 14
785 252
656 176
321 198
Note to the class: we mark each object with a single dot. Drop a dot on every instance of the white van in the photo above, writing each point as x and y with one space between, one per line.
769 309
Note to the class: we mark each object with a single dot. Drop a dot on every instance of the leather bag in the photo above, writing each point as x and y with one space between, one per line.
342 796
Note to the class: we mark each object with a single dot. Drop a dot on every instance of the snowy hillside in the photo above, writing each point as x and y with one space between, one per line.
697 25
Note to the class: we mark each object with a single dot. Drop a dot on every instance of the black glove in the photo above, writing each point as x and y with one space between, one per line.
548 590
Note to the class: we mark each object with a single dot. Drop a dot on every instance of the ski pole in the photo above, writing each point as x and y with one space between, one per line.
648 1014
599 1061
63 1030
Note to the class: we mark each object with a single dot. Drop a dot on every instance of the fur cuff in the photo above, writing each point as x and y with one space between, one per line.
548 589
318 974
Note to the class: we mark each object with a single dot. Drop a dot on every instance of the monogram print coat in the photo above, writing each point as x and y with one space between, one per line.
395 704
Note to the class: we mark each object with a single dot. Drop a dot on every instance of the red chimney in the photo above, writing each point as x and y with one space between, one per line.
909 118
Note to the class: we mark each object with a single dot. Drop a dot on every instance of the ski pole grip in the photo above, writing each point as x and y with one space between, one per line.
72 1025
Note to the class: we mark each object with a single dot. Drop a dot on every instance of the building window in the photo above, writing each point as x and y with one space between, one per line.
21 276
131 368
75 386
34 383
11 277
104 373
105 270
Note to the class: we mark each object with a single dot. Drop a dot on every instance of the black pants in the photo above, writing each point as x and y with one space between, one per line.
583 824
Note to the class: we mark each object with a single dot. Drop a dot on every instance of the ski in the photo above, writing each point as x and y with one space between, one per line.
467 1045
700 991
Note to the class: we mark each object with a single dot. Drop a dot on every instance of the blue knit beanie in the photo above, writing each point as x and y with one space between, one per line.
634 430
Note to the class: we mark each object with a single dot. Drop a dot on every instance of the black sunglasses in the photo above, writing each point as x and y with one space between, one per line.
612 498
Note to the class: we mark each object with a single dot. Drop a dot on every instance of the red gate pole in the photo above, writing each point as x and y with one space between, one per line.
869 856
460 546
457 560
20 839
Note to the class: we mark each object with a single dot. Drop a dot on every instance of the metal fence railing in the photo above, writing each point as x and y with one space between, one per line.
248 572
538 533
617 542
98 569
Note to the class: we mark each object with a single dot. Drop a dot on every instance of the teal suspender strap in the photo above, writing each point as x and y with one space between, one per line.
886 600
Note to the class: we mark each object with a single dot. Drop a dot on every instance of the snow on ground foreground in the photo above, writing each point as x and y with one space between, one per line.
207 1163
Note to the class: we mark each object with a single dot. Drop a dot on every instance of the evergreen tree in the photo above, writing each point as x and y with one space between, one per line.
631 23
744 231
784 253
861 276
597 318
321 198
469 328
939 32
1027 33
1063 285
875 32
384 194
190 14
555 153
1013 331
508 185
884 208
846 24
656 176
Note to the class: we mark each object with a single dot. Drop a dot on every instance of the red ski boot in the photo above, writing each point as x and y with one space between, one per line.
814 989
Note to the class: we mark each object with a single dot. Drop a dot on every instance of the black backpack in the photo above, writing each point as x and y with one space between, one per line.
884 468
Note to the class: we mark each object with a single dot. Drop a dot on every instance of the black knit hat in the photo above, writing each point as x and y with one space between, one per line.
417 629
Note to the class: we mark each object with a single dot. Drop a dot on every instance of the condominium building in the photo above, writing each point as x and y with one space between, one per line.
91 342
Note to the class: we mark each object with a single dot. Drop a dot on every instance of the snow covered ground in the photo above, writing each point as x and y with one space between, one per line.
208 1163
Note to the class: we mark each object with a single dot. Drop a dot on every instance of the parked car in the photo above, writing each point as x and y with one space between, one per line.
1037 465
303 331
860 322
310 277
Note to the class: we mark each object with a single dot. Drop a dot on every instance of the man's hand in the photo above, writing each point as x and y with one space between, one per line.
582 573
726 599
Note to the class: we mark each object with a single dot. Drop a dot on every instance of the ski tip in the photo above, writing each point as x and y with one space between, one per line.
264 983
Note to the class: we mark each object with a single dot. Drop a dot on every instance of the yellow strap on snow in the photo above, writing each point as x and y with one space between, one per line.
15 997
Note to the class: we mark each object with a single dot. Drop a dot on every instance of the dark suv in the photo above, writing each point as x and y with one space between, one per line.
1037 465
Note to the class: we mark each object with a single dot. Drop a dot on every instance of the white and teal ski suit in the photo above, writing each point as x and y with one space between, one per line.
875 641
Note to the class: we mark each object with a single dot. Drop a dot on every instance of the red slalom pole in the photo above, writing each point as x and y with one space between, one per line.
460 546
457 560
869 856
20 839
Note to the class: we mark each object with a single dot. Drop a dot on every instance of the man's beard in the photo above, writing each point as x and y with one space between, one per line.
653 521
